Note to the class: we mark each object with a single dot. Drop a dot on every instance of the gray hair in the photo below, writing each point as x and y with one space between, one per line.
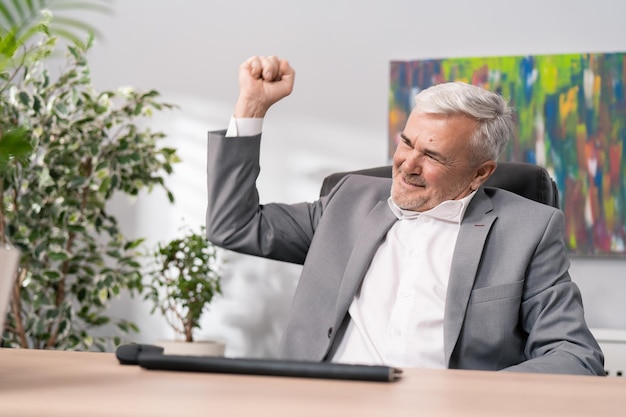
493 116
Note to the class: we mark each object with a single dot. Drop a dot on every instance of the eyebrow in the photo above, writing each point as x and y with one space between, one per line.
403 136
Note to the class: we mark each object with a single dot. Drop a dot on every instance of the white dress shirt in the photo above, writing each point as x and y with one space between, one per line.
396 317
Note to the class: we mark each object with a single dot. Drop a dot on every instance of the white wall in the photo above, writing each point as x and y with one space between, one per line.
335 120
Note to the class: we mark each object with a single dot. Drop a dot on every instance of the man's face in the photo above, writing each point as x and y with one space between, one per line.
432 162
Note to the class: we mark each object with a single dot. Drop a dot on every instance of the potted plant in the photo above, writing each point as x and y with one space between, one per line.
88 146
183 280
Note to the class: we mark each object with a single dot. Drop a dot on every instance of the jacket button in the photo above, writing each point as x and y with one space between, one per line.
330 332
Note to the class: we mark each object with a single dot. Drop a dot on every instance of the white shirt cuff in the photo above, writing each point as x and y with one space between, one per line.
244 127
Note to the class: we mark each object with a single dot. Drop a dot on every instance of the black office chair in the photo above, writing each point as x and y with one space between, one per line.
528 180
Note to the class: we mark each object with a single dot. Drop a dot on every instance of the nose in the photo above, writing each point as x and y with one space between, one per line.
412 163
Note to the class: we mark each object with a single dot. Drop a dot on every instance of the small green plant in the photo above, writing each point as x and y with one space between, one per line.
184 280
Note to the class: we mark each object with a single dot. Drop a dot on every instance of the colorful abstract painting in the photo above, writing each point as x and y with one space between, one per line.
571 119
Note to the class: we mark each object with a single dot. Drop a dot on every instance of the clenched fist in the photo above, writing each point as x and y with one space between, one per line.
262 82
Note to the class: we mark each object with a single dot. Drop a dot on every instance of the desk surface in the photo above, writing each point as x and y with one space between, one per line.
54 383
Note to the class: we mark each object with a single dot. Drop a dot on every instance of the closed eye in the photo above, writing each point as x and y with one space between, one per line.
429 153
435 157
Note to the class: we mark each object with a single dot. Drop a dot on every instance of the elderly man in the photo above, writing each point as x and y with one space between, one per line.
425 269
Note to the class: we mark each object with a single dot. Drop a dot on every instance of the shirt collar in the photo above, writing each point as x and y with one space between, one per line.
449 210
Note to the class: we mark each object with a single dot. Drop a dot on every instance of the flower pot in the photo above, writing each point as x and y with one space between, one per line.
196 348
9 260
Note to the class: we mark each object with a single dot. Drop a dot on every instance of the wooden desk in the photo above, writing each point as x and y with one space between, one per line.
53 383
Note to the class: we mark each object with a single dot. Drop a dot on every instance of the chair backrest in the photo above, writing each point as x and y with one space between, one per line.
528 180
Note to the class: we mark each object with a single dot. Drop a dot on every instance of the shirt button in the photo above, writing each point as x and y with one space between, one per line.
406 294
415 253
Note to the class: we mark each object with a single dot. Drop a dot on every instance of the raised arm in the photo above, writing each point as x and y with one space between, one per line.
235 219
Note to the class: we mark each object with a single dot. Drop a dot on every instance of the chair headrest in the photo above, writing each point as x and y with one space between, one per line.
528 180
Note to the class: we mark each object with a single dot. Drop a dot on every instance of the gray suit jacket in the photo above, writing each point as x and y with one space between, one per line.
510 302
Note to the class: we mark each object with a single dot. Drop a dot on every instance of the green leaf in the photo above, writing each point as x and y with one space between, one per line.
53 313
100 321
64 326
76 228
24 98
58 256
150 94
15 143
52 275
105 186
94 148
37 104
133 244
103 295
61 109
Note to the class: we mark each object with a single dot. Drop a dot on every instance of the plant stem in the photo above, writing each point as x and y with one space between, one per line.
17 308
87 170
189 328
3 239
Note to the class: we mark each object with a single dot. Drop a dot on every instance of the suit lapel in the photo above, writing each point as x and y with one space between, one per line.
377 224
474 230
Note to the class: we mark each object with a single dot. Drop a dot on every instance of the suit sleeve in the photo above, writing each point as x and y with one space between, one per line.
236 221
559 340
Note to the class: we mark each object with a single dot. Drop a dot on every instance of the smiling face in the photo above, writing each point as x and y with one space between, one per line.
434 162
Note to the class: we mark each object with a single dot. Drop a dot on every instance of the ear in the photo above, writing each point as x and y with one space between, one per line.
482 172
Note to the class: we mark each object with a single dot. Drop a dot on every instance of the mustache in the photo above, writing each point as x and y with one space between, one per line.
413 179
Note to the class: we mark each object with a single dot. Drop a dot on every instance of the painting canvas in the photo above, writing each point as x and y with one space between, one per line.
570 112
